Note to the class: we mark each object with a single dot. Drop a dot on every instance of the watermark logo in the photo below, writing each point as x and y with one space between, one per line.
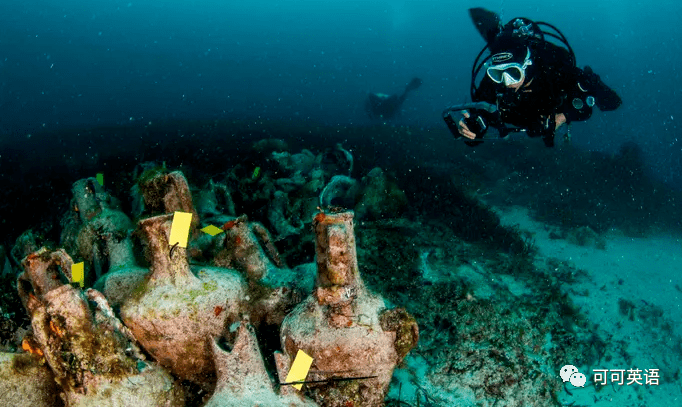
626 377
570 373
601 377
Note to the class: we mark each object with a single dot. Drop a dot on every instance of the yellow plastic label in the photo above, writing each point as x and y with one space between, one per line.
180 229
78 273
299 369
212 230
100 178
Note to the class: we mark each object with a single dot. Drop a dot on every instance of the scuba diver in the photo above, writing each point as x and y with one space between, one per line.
530 83
383 106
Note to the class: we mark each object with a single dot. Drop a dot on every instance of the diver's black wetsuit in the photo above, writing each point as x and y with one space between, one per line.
551 83
557 86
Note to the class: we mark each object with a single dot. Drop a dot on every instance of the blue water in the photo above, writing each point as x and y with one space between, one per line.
100 62
76 64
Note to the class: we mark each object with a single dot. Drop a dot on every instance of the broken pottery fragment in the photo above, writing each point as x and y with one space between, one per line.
215 199
164 192
99 232
290 164
88 196
91 354
274 288
343 327
280 216
124 274
28 242
242 378
95 229
341 191
335 161
381 197
173 312
248 247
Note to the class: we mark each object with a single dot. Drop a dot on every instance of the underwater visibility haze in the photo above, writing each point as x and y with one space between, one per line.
474 274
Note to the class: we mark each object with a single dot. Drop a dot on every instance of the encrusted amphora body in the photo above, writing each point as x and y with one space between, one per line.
93 357
345 329
175 314
243 379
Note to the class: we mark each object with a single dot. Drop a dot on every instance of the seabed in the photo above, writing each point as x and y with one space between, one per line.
512 260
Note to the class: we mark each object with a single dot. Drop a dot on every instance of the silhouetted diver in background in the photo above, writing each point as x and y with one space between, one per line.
382 106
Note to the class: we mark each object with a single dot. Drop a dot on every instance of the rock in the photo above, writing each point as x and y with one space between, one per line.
585 236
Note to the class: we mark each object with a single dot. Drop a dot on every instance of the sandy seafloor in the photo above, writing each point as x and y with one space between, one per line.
647 272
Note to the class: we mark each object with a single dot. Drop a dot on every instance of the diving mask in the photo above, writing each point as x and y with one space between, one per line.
509 73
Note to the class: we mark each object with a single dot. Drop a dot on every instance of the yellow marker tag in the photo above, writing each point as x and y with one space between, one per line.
100 178
212 230
180 228
78 273
299 369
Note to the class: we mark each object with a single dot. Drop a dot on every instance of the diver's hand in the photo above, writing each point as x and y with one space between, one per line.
463 129
559 119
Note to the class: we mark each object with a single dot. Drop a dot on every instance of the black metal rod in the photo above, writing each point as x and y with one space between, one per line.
333 379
